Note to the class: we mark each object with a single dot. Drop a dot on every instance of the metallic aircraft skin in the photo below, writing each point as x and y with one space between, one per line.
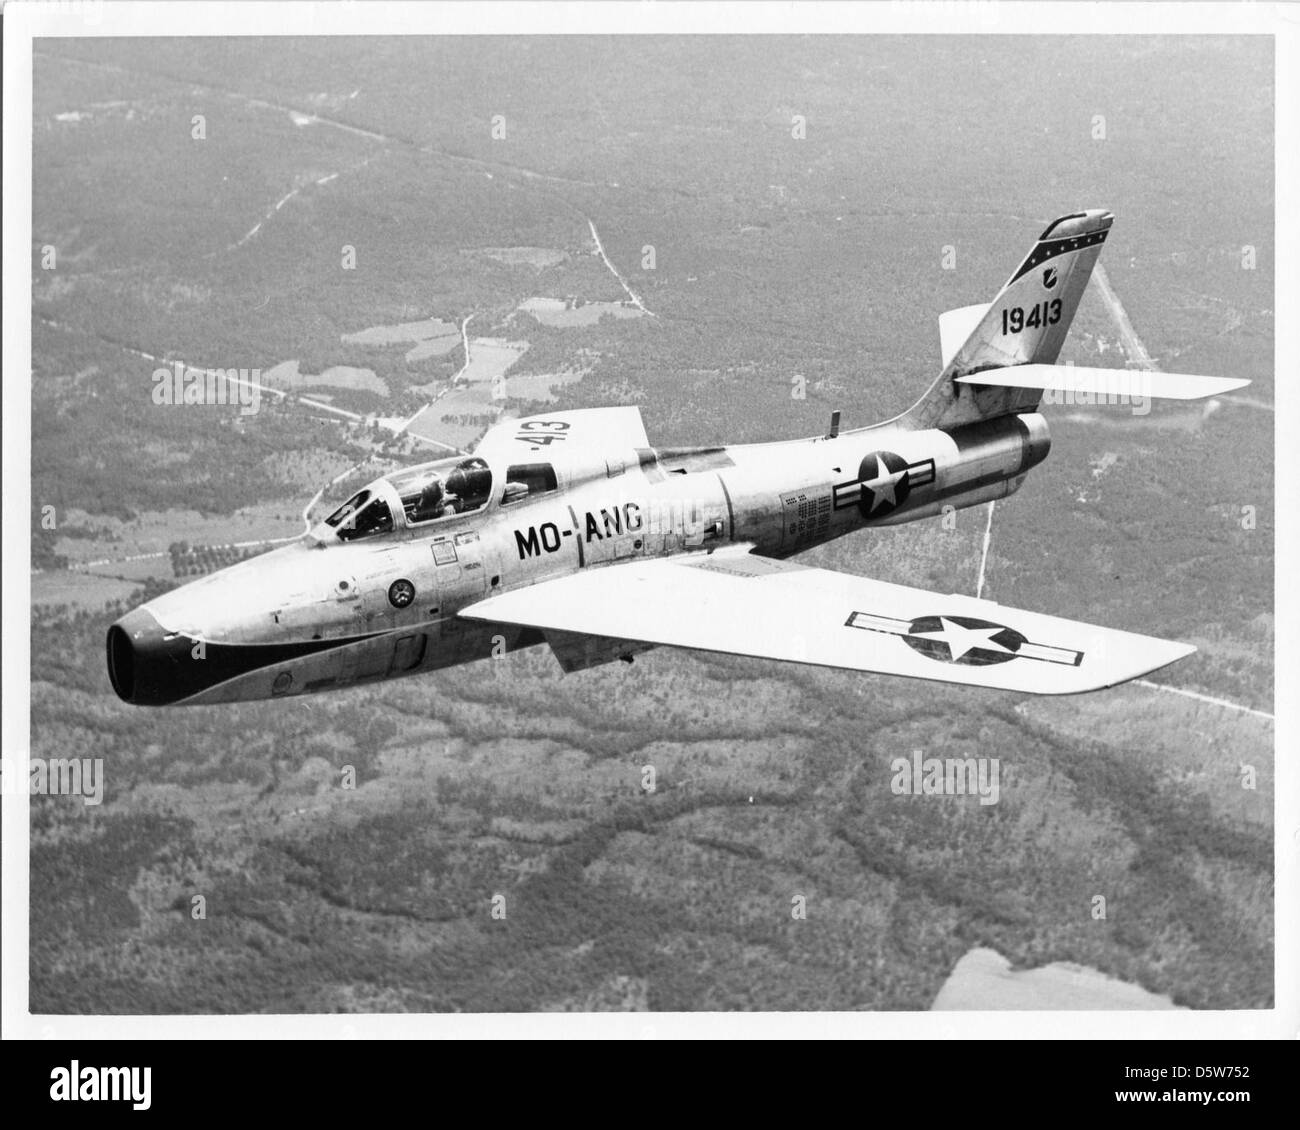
309 593
570 493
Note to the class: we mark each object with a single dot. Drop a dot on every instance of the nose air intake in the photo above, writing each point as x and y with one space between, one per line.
148 665
141 660
121 663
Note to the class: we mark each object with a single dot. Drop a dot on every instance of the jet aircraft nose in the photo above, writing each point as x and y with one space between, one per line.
149 666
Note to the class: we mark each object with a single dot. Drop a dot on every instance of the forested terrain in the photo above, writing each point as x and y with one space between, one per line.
508 787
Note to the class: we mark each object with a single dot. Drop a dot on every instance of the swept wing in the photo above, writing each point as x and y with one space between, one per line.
735 602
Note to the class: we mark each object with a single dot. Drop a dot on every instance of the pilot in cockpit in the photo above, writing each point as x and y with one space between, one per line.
428 504
472 483
444 491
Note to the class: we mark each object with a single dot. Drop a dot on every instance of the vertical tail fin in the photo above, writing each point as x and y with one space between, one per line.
1025 324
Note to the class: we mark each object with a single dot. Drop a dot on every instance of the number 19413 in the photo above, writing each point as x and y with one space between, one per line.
1040 314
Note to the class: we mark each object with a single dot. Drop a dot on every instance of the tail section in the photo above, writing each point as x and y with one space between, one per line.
1025 324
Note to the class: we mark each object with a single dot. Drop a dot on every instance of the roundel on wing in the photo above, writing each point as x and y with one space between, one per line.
963 639
885 484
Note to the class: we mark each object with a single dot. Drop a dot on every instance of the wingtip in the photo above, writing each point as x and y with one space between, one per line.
1174 652
1159 654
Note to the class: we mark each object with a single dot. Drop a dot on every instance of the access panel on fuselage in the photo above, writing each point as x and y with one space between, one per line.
686 511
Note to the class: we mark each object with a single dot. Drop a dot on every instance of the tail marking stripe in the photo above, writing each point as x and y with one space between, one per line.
1050 249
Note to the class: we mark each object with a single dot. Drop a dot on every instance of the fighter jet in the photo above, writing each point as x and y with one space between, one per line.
570 530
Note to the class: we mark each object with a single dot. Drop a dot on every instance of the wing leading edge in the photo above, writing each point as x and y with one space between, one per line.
732 601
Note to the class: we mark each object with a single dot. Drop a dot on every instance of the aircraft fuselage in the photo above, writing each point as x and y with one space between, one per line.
316 616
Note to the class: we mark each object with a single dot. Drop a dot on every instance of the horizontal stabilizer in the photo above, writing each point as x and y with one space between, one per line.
1104 385
956 326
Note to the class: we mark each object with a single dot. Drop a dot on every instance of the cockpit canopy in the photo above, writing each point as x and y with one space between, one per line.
428 493
363 514
439 491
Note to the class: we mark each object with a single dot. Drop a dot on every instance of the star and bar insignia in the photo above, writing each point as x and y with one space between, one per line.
883 483
963 639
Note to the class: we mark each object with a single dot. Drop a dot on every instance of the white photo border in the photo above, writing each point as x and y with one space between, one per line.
26 21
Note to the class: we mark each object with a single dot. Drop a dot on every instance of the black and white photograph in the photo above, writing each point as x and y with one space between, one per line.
642 516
